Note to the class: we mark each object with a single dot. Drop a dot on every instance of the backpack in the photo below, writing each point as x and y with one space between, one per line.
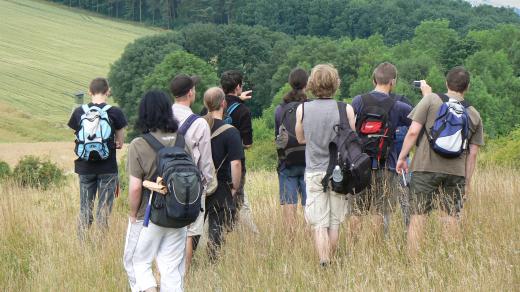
227 117
182 203
287 146
94 134
349 169
374 129
449 134
212 187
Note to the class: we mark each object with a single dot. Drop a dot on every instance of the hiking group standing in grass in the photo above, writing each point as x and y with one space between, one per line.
336 160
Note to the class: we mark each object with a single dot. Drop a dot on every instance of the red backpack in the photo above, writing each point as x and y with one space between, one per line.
374 129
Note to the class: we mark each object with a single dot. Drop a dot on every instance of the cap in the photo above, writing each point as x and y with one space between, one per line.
182 83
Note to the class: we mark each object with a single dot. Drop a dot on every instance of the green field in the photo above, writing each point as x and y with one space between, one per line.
47 53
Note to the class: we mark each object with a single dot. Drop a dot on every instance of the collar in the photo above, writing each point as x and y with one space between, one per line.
182 107
233 99
380 92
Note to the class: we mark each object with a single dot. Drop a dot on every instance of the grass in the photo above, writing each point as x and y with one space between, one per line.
48 52
40 252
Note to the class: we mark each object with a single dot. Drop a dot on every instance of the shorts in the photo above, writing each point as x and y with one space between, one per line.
292 183
323 209
430 189
381 198
197 227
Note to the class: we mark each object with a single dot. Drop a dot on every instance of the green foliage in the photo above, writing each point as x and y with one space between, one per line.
181 62
5 170
31 171
504 150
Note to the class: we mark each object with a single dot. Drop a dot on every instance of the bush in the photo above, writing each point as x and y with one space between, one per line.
5 171
31 171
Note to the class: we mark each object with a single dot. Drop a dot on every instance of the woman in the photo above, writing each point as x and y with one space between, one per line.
143 245
291 154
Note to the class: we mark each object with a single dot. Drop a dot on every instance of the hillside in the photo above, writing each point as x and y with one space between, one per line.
48 52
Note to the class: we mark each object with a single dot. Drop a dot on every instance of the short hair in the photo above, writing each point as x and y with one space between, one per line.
99 85
230 80
458 79
324 80
155 113
384 73
298 79
213 98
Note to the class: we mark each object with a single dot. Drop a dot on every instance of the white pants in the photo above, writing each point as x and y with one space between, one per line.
165 245
197 227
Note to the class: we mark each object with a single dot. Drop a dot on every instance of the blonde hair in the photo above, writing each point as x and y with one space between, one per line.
324 80
213 98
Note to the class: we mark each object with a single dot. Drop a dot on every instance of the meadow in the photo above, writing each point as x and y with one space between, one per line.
40 252
48 53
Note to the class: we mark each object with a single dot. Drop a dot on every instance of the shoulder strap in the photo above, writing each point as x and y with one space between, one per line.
85 108
221 130
153 142
187 124
232 108
106 107
446 98
343 116
286 107
180 141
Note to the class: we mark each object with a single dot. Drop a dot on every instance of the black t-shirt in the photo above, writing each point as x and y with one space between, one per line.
118 121
225 148
241 119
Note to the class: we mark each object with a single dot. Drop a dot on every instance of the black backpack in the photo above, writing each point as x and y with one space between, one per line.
374 129
287 146
347 158
182 203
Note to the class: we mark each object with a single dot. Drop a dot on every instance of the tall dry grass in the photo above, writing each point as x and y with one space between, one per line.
39 250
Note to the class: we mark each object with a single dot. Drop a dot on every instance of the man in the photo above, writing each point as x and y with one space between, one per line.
381 197
325 210
435 177
232 85
198 138
97 175
227 151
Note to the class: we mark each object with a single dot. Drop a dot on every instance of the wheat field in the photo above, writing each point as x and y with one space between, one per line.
40 252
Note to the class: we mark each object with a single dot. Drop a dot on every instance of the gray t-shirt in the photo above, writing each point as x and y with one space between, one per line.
319 118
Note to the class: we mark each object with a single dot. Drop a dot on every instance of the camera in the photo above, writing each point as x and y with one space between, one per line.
416 84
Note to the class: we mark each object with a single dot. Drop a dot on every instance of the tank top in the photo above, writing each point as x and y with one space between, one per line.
319 118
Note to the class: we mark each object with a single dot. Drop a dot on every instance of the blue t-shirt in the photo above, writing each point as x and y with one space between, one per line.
398 117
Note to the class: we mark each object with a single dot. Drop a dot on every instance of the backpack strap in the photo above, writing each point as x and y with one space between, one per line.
85 108
187 124
232 108
220 130
180 141
153 142
343 116
106 107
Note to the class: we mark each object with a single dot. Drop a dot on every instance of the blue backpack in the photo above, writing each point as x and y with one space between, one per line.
94 134
228 119
449 134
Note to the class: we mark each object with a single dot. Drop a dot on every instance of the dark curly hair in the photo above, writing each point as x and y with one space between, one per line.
155 113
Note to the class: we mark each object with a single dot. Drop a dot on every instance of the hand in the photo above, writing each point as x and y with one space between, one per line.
119 145
425 88
402 165
246 95
233 192
132 219
467 190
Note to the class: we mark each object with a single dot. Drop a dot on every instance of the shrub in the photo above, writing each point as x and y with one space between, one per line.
31 171
5 171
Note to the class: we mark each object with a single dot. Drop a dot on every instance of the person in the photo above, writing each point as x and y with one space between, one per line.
232 85
291 165
434 177
315 123
98 176
380 199
198 137
143 245
227 151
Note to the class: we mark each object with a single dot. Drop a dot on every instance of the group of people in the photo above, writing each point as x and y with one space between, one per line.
304 129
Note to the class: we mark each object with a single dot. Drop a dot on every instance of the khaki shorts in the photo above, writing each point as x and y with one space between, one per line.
197 227
323 209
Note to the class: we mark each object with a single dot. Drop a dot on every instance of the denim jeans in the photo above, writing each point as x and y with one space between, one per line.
105 185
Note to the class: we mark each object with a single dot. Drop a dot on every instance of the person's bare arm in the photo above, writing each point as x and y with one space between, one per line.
300 136
236 175
135 186
120 138
409 142
351 117
471 161
247 146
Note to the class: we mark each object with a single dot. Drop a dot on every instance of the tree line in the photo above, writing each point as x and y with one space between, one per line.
266 58
393 19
